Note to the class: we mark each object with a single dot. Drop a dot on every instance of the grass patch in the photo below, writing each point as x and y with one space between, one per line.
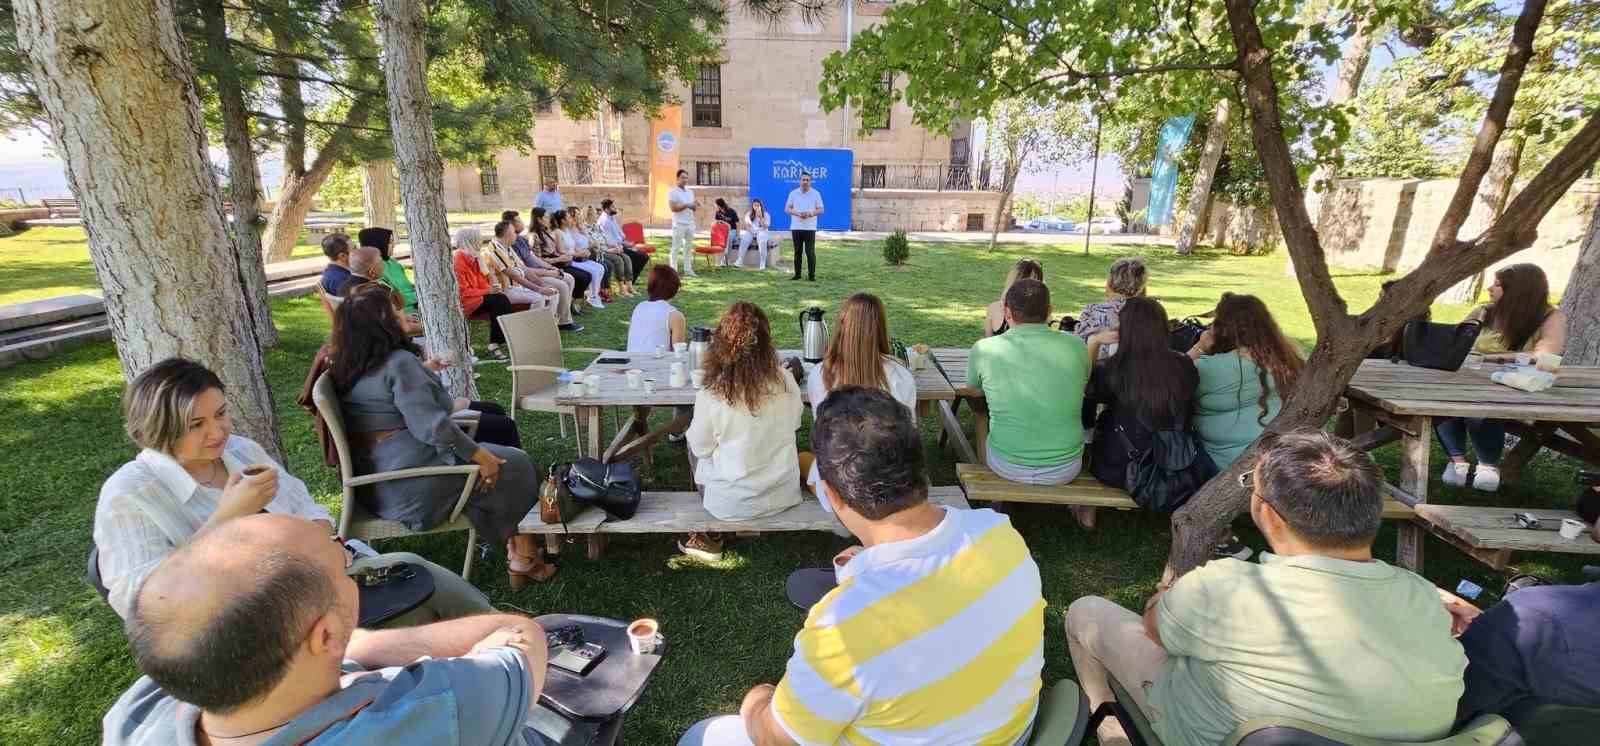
63 659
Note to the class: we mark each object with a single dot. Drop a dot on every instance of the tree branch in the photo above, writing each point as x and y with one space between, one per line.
1494 123
1328 311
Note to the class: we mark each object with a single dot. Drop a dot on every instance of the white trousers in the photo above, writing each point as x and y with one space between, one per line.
763 239
597 271
682 239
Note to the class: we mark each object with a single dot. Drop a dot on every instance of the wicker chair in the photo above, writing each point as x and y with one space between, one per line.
537 358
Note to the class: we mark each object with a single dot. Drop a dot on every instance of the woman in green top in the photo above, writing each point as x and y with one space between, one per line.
394 275
1247 367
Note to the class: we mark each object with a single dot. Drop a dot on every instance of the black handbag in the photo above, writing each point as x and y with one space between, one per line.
1438 346
1164 476
1186 333
613 488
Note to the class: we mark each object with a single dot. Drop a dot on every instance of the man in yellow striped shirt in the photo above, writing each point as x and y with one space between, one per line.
935 634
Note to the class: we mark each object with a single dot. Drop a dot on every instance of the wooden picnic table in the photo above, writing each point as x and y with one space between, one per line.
634 437
1392 402
952 363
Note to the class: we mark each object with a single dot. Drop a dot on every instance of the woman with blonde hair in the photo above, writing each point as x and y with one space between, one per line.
994 321
1125 279
741 442
858 355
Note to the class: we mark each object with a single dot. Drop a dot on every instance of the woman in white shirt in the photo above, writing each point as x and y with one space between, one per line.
741 441
191 475
569 241
759 229
858 355
656 322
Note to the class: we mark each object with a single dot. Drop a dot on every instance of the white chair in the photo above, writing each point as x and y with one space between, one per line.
537 358
354 520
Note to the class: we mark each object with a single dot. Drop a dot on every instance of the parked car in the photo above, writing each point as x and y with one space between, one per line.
1106 225
1051 224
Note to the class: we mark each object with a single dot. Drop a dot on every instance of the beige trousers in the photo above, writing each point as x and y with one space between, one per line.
1108 640
563 288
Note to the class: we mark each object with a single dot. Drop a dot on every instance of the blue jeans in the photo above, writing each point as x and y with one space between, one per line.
1488 437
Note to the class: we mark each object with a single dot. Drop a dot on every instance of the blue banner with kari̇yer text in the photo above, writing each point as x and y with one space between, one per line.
776 171
1164 173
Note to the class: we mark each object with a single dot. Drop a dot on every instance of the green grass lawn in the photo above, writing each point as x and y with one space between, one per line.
63 659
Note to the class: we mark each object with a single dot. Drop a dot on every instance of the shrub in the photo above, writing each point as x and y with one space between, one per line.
897 248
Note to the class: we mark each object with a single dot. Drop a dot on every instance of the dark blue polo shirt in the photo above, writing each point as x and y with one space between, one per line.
333 278
1538 642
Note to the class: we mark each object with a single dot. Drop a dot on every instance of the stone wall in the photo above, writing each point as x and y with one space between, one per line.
914 210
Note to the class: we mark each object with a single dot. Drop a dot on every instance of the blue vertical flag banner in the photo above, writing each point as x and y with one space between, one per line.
776 171
1164 174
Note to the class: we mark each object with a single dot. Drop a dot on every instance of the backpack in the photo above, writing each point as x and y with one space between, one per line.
1184 334
1164 476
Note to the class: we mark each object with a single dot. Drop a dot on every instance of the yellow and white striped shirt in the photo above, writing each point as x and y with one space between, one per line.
933 640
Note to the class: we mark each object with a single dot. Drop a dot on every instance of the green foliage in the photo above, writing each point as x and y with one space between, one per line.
342 190
897 248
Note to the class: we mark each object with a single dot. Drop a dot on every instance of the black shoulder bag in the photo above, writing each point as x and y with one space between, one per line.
1164 476
1438 346
613 488
1185 334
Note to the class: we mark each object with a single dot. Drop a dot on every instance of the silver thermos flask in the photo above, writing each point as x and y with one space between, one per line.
699 339
814 335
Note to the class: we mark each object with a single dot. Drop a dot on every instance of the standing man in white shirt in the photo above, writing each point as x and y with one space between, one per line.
803 206
683 204
549 198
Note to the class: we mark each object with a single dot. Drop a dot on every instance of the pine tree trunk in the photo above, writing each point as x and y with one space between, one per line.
1492 198
244 179
1353 59
416 154
119 94
1008 186
1200 193
294 202
1581 301
378 193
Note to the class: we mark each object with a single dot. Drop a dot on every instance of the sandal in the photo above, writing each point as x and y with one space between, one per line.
535 569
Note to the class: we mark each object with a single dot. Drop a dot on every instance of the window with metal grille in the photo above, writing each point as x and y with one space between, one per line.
547 169
879 120
488 177
583 170
974 221
708 173
874 177
707 95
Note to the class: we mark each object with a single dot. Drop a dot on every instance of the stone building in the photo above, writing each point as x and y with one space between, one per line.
764 93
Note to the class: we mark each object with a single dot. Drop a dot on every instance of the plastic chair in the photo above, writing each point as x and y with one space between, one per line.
354 520
718 246
634 233
330 302
537 358
1541 723
1063 716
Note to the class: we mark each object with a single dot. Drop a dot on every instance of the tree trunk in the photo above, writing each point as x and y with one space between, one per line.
299 189
1007 186
416 153
1492 199
378 194
1353 59
1581 301
244 180
1200 193
119 94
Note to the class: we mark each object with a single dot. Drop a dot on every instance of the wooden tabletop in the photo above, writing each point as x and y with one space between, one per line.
1405 389
1496 528
614 391
954 362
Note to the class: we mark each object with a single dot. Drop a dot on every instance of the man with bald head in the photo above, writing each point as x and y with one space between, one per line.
366 265
247 635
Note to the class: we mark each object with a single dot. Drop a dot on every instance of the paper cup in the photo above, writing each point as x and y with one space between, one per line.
1550 363
697 377
649 385
593 384
661 350
677 378
680 349
1571 529
635 378
644 636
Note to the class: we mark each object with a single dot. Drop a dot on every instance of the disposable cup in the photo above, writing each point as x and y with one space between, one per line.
1571 529
635 378
644 636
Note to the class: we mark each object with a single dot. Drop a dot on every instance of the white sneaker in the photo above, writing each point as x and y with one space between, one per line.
687 272
1455 474
595 303
1486 479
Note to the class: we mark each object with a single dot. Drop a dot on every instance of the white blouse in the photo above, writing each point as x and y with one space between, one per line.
151 506
902 386
748 462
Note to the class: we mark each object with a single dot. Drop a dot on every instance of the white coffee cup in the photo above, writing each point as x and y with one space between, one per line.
649 385
1549 363
661 350
593 383
680 349
677 378
644 636
697 377
1572 529
577 383
635 378
838 568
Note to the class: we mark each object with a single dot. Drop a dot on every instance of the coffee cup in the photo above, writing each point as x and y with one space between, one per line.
1550 363
649 385
697 378
680 349
661 350
255 470
635 378
644 636
838 568
1571 529
677 378
593 385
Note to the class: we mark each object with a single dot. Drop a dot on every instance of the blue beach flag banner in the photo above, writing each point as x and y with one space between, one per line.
1164 174
775 171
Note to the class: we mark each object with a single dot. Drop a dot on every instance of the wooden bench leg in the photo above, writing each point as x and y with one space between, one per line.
597 545
1415 449
552 543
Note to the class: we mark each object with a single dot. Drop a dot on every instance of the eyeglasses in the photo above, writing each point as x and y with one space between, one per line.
1247 480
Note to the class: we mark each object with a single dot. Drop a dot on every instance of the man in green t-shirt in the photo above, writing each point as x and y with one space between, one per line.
1032 378
1318 631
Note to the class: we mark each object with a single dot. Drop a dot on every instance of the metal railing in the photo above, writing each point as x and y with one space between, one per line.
938 177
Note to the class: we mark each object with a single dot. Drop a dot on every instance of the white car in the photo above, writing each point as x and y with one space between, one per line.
1106 225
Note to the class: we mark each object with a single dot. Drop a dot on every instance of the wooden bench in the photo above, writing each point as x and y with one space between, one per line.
59 207
982 484
1490 535
683 512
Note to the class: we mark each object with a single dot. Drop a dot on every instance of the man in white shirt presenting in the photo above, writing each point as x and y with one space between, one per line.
682 203
804 205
